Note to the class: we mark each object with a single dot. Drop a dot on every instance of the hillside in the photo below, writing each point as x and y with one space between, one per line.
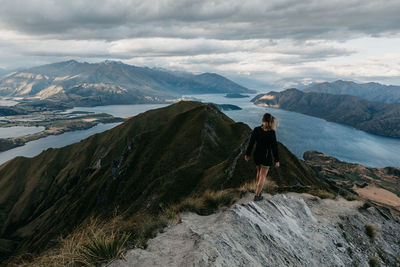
370 91
109 82
282 230
372 117
381 185
157 158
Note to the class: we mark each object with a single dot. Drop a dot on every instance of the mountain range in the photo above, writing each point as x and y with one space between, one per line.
155 159
373 117
109 82
371 91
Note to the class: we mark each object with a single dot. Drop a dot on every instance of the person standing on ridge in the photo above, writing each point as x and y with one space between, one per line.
266 147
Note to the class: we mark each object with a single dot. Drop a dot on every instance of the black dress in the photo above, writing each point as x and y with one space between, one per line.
266 146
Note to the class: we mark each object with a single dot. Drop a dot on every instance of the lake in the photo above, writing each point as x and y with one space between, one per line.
302 132
297 131
119 110
34 148
15 131
7 102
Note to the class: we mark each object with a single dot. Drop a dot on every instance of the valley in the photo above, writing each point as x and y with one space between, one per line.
40 95
159 157
138 176
127 129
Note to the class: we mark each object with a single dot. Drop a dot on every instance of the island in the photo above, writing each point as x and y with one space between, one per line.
226 106
54 122
235 95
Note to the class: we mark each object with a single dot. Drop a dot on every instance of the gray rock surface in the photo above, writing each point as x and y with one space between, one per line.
282 230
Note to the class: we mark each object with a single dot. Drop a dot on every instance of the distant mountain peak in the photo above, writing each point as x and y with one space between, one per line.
371 91
112 62
71 61
343 81
141 84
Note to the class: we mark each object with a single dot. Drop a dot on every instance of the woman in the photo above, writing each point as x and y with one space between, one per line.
266 147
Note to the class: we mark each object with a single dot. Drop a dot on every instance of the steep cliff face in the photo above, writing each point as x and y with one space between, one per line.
373 117
282 230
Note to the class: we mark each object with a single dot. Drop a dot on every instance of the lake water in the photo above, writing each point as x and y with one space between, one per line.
6 102
34 148
120 110
297 131
6 132
301 133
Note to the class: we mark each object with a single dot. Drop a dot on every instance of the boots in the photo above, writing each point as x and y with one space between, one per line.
258 197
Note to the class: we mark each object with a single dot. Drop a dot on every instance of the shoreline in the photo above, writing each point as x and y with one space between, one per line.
54 127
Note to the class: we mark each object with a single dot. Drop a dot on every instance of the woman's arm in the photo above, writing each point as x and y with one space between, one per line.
275 148
251 143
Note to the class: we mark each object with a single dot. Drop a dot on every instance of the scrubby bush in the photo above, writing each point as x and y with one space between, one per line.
102 247
370 230
321 193
373 261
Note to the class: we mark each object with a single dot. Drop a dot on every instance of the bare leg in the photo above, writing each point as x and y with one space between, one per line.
263 175
258 173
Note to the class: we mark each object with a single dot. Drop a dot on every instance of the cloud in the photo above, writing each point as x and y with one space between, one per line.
258 42
229 19
287 50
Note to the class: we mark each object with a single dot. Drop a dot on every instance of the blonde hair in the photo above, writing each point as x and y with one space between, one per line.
268 122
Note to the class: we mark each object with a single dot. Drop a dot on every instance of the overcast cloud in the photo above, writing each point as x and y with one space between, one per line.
281 42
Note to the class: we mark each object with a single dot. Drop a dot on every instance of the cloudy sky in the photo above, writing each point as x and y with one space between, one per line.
275 43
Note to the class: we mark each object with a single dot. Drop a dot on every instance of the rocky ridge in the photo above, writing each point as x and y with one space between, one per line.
370 91
282 230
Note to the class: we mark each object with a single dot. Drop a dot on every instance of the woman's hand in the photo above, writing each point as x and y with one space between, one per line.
246 158
277 165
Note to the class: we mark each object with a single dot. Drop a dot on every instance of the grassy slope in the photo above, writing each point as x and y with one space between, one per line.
157 158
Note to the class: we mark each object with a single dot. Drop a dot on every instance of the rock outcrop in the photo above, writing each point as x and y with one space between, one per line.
282 230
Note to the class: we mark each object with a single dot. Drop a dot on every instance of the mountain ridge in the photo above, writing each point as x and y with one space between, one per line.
373 117
282 230
371 91
157 157
110 82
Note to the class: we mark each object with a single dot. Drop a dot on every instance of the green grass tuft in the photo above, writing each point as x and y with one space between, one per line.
102 247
